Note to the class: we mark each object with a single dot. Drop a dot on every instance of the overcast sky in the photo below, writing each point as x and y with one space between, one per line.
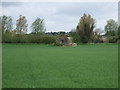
61 16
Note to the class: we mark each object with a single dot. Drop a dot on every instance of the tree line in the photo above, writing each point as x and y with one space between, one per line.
20 35
85 31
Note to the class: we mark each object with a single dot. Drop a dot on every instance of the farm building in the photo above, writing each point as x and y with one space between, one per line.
66 41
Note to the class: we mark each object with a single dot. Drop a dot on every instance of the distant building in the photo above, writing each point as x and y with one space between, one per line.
64 40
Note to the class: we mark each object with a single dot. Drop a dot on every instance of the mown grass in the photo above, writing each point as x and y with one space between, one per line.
45 66
0 66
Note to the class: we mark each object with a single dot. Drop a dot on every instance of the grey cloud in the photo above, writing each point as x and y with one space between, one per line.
9 4
61 16
98 9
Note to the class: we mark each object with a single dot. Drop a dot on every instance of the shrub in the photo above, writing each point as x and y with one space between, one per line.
113 39
76 37
19 38
40 38
58 44
48 39
7 37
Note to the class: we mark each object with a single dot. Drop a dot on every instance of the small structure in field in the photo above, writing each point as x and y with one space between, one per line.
104 39
66 41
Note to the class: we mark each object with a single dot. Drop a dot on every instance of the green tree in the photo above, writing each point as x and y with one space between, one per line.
119 32
7 23
7 27
21 25
111 27
38 26
4 21
75 36
85 28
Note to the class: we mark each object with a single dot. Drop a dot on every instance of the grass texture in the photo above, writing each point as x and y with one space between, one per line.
46 66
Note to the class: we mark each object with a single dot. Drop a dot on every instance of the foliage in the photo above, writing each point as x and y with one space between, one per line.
61 33
84 32
21 25
38 26
48 39
111 33
20 38
85 28
30 38
111 28
113 39
40 38
119 32
7 37
7 23
97 39
76 37
58 44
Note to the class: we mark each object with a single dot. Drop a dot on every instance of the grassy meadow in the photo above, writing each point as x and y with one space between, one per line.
47 66
0 66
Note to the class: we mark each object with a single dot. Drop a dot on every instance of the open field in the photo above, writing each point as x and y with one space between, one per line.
45 66
0 66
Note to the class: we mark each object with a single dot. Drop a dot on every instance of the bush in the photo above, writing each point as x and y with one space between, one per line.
76 37
19 38
58 44
48 39
113 39
7 37
40 38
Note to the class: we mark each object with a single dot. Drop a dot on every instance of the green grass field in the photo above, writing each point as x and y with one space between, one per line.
45 66
0 66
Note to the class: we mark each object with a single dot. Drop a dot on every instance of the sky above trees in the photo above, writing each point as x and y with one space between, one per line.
61 16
